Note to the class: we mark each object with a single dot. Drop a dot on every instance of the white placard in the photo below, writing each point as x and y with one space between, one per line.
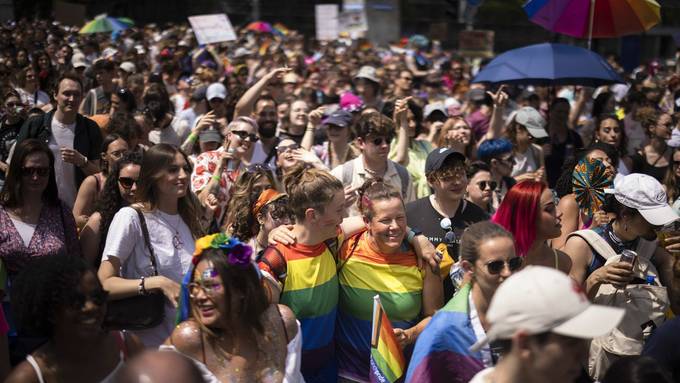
326 21
354 23
212 28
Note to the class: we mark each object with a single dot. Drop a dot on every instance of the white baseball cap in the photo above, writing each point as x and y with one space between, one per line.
531 120
435 107
367 72
216 90
128 66
541 299
646 195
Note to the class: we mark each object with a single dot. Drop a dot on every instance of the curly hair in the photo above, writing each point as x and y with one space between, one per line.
110 200
44 286
240 220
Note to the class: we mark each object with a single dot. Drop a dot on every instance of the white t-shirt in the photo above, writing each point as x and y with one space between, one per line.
125 241
173 134
477 327
65 173
259 155
483 376
25 230
35 99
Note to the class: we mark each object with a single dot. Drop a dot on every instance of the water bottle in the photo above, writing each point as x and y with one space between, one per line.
628 256
231 165
650 280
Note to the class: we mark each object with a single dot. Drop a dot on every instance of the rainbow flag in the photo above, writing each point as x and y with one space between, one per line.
387 360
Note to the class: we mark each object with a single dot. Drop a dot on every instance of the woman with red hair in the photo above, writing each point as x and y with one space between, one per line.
529 212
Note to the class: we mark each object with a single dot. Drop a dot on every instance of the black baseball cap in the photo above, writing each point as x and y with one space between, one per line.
436 158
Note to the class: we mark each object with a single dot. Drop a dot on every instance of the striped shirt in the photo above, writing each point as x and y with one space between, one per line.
310 289
363 273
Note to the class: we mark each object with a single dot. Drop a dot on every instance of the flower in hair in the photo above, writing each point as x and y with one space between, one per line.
237 252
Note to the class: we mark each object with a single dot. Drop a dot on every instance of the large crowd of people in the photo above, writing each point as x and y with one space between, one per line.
227 212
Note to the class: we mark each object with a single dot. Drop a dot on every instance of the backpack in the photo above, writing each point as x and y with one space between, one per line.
645 305
348 170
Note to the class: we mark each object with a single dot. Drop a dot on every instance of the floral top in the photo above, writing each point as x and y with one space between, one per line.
204 168
54 234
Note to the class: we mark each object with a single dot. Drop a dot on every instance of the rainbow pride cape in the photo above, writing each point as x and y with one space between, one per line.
442 351
387 359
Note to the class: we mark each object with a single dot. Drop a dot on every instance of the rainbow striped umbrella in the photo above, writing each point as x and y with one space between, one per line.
280 29
103 24
259 26
126 20
594 18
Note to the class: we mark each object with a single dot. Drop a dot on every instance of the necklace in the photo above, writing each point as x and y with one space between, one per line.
176 239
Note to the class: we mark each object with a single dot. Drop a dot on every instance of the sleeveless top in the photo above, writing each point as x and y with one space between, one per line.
363 273
110 378
606 232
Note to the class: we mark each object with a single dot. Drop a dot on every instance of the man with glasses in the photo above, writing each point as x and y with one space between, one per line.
374 132
14 115
497 154
403 85
98 100
444 215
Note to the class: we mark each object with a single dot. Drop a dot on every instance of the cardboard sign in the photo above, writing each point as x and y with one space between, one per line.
326 21
210 29
354 23
476 43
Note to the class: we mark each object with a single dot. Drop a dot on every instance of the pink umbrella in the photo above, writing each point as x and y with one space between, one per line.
594 18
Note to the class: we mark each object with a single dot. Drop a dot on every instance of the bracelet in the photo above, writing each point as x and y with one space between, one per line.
84 163
141 290
192 137
216 177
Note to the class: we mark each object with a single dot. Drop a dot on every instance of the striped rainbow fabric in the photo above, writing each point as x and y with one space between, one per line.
442 351
387 359
310 289
363 274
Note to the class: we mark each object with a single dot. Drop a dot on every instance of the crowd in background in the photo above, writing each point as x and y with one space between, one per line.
262 191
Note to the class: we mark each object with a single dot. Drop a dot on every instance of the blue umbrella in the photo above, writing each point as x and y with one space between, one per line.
549 64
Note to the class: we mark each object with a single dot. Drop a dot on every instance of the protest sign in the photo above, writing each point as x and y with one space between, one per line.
326 21
212 28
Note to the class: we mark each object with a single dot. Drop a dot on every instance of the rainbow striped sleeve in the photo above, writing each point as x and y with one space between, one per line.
310 289
387 359
441 353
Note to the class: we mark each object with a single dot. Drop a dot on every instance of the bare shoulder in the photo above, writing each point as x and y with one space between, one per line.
186 337
23 373
133 343
568 201
565 261
576 248
289 321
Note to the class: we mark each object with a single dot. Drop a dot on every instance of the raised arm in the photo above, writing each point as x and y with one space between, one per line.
245 105
500 99
401 120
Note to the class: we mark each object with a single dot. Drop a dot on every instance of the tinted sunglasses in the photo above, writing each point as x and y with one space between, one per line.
258 166
491 184
126 182
285 148
496 267
252 137
377 141
510 160
35 171
77 301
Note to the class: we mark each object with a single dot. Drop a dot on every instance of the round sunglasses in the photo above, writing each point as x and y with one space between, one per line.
496 267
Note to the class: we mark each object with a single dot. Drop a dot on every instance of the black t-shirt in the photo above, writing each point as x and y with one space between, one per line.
8 136
640 165
421 215
662 345
560 153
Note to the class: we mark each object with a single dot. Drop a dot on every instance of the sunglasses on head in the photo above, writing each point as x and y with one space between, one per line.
35 171
285 148
496 267
126 182
491 184
252 137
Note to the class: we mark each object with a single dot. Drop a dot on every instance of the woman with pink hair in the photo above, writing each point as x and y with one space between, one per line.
529 212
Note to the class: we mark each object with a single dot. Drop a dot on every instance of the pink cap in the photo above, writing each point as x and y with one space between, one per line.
350 102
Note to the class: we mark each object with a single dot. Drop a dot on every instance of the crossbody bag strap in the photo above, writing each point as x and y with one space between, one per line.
349 255
147 241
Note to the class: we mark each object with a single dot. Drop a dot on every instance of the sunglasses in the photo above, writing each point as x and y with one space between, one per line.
259 166
496 267
491 184
252 137
407 78
78 301
377 141
35 171
282 149
510 160
126 182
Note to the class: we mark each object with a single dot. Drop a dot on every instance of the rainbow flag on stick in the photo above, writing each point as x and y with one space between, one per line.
387 360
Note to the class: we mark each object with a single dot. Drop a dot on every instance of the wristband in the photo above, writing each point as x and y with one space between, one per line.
84 162
412 234
216 177
192 137
141 290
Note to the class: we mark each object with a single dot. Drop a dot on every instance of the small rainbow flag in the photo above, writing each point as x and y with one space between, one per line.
387 360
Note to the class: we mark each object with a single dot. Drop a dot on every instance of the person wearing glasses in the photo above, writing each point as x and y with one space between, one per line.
444 215
98 100
338 149
378 260
123 102
60 300
113 149
229 328
14 115
481 187
374 132
497 154
216 171
118 191
403 85
172 217
529 211
488 258
158 118
33 221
